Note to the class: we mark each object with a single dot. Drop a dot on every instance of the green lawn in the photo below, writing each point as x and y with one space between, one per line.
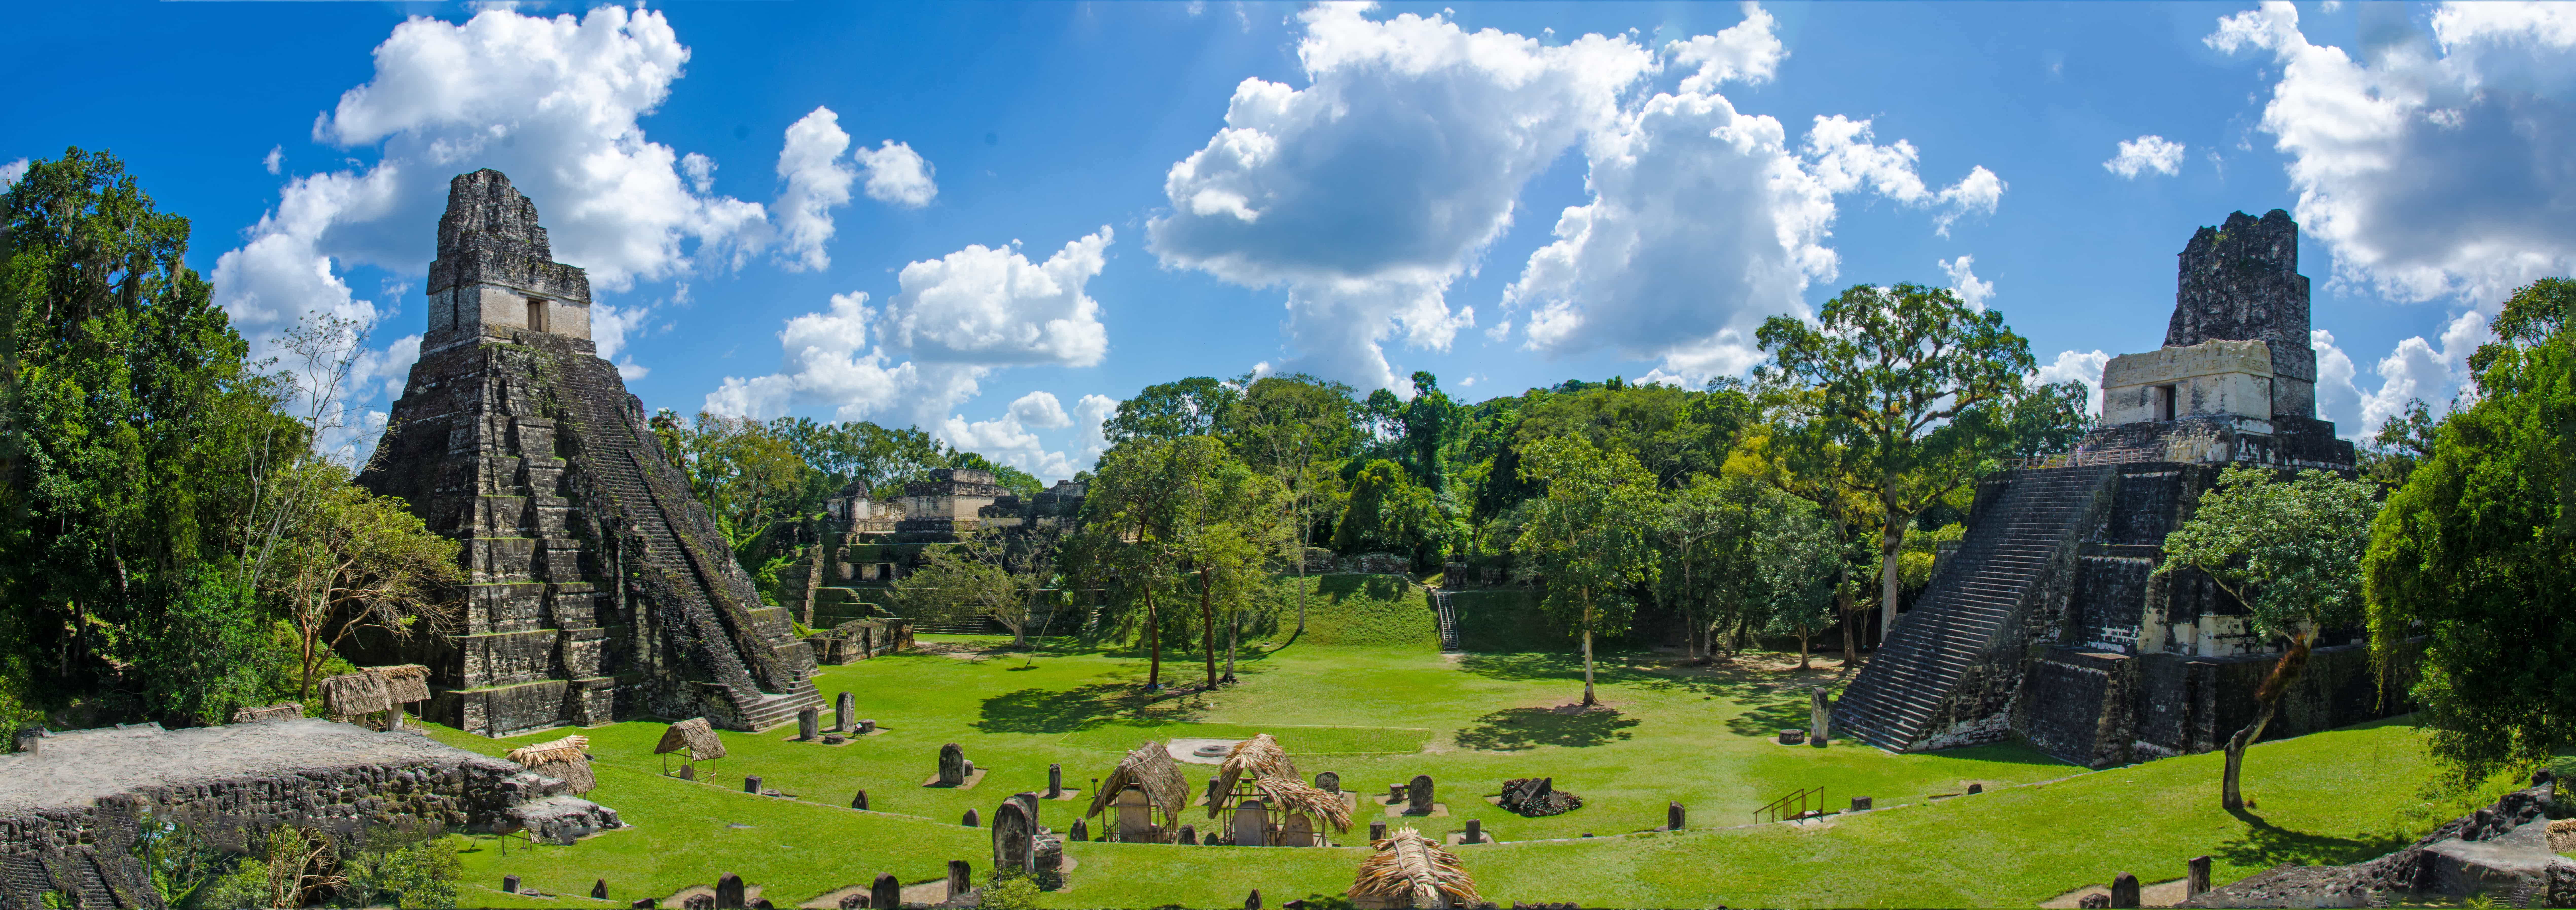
1381 714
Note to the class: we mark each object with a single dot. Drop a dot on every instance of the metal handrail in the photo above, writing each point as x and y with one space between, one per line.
1776 807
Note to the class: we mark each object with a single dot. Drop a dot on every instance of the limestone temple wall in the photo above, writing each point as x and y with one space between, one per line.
867 544
597 588
71 808
2051 623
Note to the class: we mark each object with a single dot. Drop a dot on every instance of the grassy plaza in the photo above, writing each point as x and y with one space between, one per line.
1381 713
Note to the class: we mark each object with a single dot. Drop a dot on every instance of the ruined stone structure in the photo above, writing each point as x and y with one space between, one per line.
598 589
70 808
867 543
2050 622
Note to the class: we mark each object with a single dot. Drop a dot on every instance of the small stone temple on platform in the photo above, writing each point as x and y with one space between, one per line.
597 587
2050 621
868 542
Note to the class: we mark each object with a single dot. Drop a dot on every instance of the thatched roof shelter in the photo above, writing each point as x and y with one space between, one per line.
1257 757
1409 870
404 683
1149 768
693 735
566 759
354 694
1296 797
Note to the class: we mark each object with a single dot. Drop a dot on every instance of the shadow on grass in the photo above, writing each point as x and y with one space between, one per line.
2266 845
1035 710
1514 729
1769 710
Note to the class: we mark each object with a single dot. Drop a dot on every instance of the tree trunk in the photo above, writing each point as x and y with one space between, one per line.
1802 646
1301 569
1233 639
1207 621
2230 797
1843 608
1588 698
1153 632
1889 541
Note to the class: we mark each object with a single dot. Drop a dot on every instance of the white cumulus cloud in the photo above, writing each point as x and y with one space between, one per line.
2432 166
898 175
951 323
10 172
2146 153
1747 51
1704 220
2080 366
814 181
1964 281
1369 190
2415 369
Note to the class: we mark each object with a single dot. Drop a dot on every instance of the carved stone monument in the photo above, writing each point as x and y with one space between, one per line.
1820 716
1252 823
1329 782
1055 781
596 587
952 765
729 892
1417 795
845 717
1015 834
886 891
809 723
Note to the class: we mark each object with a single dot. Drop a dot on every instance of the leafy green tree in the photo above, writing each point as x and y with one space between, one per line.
1190 407
128 417
1296 430
359 565
1589 537
1915 392
2291 553
2477 552
982 576
1387 511
2404 440
1798 561
1225 522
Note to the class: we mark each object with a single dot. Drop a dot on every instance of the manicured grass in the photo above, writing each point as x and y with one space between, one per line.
1381 714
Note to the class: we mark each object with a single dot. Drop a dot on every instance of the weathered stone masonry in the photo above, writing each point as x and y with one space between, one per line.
70 809
2050 621
598 589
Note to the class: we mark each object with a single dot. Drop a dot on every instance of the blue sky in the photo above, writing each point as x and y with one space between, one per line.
1049 206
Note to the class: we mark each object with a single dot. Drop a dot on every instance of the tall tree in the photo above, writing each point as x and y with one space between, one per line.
1127 543
1917 389
2404 440
1190 407
1589 537
2477 552
1224 521
127 412
982 576
2291 553
1296 429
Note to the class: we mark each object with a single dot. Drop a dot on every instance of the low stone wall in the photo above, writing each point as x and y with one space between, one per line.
70 810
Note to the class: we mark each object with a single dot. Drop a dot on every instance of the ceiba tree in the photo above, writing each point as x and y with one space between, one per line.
1915 391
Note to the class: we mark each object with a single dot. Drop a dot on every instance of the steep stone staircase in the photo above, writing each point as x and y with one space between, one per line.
615 466
1448 617
1898 699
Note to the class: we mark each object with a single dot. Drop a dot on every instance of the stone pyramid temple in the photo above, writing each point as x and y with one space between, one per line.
2050 623
597 588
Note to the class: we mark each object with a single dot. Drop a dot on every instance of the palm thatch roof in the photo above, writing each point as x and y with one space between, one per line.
694 735
404 683
1409 870
1290 795
1150 768
353 694
565 759
1256 758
